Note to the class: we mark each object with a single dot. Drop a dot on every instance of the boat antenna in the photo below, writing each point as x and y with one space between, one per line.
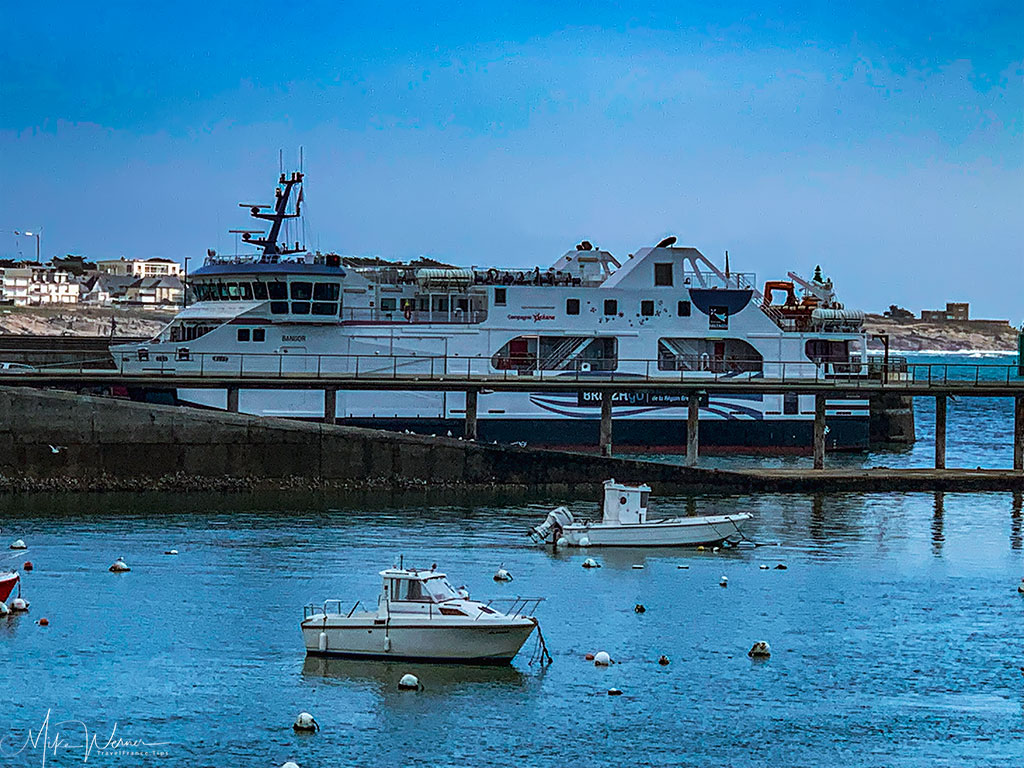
300 159
726 265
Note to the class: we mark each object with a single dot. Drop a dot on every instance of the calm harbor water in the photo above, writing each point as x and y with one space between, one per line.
895 631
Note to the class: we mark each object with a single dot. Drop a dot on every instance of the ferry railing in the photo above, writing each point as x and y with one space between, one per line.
847 373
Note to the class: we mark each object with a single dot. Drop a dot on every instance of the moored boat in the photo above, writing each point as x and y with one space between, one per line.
420 617
8 581
624 523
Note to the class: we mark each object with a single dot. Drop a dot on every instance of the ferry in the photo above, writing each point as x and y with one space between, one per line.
664 312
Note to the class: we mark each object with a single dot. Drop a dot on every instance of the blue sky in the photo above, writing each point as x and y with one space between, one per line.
884 141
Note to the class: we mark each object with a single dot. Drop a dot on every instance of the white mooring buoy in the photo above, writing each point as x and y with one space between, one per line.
19 604
760 650
614 692
591 563
290 764
306 723
4 610
724 581
502 575
602 659
119 566
409 682
1020 587
18 544
171 552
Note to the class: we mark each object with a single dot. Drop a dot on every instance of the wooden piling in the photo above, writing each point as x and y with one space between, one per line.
1018 433
330 406
940 431
692 428
819 431
233 399
471 406
605 438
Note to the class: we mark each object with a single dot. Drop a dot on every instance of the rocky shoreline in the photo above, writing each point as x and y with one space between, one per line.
950 336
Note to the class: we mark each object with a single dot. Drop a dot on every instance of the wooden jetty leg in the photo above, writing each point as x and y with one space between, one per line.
1018 433
471 400
692 428
330 406
819 431
605 438
940 431
233 399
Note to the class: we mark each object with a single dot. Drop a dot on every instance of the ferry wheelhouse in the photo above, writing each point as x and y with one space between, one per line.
664 312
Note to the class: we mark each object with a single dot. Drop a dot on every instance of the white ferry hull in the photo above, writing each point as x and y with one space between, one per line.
480 641
679 532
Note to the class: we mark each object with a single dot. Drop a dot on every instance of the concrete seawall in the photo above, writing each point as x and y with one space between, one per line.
58 440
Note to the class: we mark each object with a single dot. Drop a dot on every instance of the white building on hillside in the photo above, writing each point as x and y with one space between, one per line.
34 285
155 267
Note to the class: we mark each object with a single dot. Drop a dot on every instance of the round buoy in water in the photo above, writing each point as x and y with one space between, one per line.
682 567
44 622
4 610
763 567
588 656
700 548
584 541
409 682
18 544
119 566
19 604
714 549
724 581
637 567
27 565
290 764
614 692
171 552
591 563
1020 587
760 650
305 723
502 575
639 608
602 659
663 660
780 567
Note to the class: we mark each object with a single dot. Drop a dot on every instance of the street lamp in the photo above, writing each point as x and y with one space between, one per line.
36 235
184 285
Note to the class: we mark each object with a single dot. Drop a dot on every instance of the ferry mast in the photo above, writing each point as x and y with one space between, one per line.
272 252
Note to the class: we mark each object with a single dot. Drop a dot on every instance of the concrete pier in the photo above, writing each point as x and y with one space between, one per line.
819 431
472 396
692 429
330 406
605 437
940 431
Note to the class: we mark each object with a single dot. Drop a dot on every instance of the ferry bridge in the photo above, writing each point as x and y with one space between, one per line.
331 373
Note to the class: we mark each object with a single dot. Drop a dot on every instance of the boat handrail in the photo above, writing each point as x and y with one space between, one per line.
518 605
313 609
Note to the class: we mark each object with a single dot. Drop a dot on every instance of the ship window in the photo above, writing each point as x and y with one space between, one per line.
791 404
259 334
279 307
387 305
500 296
440 590
277 290
572 306
222 290
440 303
243 334
233 290
408 589
683 309
325 307
259 291
557 353
713 355
246 291
663 274
611 307
300 307
326 291
302 292
647 308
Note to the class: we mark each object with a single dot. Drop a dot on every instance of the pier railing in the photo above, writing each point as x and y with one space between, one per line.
455 370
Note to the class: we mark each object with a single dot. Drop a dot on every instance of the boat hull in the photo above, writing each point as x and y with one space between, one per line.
479 642
7 583
681 532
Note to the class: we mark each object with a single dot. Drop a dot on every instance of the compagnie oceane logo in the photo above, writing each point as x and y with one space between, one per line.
55 738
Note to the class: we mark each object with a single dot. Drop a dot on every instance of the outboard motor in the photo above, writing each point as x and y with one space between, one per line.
560 517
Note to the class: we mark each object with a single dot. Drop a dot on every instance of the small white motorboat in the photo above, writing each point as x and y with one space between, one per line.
420 617
8 581
624 523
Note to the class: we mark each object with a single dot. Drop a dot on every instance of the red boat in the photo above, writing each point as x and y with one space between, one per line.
7 582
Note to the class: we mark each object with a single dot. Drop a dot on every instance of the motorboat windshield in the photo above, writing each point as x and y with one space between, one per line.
416 588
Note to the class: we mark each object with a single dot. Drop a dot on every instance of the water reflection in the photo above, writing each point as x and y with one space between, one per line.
938 523
384 675
1015 520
